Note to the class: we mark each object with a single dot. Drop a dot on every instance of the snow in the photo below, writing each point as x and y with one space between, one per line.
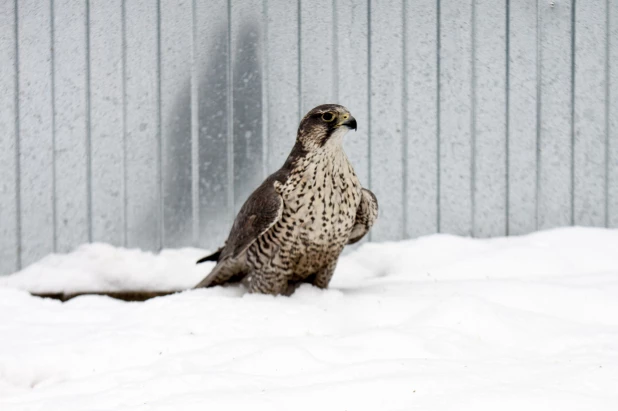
436 323
102 267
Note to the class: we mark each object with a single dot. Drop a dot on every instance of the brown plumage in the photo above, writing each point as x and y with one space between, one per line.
294 226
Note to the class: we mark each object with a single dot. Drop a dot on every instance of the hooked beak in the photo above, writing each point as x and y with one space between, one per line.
349 122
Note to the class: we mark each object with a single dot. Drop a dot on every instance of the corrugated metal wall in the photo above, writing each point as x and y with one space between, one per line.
147 123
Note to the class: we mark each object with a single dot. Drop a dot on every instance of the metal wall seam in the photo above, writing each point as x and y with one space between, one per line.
195 130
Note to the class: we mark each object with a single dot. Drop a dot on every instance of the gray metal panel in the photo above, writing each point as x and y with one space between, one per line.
282 80
351 25
489 132
212 70
71 143
36 130
213 115
176 60
589 121
107 122
422 108
317 62
387 149
455 116
555 167
142 126
247 28
612 111
522 129
9 235
428 112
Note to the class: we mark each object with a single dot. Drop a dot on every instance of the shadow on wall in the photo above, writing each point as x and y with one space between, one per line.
220 160
247 113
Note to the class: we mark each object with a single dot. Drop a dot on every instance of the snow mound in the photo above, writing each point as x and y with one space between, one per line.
102 267
436 323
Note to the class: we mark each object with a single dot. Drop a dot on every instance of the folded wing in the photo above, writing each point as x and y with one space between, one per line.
366 215
259 213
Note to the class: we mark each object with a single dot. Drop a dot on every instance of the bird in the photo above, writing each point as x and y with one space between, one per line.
294 226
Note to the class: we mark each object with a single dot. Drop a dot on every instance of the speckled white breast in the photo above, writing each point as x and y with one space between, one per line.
322 200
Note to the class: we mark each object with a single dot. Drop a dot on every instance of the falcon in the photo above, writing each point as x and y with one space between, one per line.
293 227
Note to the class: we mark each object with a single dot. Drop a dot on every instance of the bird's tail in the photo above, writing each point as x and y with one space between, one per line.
226 271
212 257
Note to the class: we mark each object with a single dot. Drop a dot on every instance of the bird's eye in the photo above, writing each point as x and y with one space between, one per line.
328 117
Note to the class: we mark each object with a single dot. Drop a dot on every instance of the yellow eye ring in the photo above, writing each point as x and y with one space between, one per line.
328 117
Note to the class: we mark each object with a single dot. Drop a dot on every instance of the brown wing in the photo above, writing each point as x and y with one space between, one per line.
259 213
366 215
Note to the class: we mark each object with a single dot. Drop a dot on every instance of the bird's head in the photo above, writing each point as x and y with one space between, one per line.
325 126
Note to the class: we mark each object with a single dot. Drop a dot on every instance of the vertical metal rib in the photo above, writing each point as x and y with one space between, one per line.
159 132
473 121
369 123
265 91
335 53
539 81
17 143
124 123
88 128
438 119
230 116
300 60
507 116
607 105
195 130
573 112
404 122
53 125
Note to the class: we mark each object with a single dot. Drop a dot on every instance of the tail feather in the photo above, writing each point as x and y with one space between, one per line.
224 272
212 257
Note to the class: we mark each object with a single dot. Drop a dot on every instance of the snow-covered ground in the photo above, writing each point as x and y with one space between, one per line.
437 323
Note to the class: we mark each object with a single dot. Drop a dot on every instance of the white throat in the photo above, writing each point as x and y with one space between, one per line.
335 142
